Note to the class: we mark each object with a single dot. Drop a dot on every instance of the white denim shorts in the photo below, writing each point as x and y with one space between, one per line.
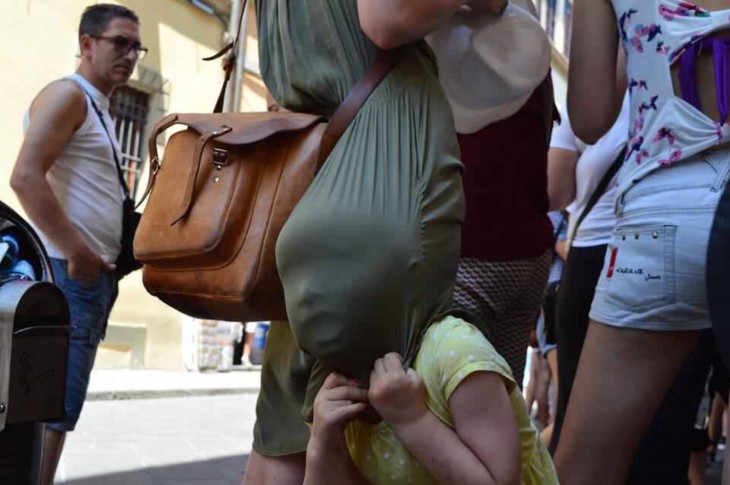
654 276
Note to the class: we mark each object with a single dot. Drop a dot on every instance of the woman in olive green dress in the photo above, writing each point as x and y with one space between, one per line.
368 257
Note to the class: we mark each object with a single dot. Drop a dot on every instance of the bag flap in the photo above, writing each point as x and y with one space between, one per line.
224 196
246 127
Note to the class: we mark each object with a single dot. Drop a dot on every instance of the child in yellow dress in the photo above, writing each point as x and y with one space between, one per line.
457 417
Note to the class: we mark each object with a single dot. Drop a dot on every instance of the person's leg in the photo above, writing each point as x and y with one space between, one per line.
577 288
248 334
664 453
726 463
622 378
274 470
81 356
53 441
666 449
530 389
541 391
552 359
280 433
714 425
697 467
718 269
89 307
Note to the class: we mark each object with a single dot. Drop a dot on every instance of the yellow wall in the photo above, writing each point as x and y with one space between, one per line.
39 44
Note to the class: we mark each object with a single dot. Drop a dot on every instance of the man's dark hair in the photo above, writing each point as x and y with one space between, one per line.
96 18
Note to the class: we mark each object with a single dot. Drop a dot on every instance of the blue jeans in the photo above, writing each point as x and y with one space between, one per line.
90 305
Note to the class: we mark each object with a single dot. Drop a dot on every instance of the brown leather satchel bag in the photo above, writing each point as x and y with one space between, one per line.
220 196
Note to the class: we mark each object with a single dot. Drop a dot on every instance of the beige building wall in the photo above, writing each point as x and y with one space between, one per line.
40 44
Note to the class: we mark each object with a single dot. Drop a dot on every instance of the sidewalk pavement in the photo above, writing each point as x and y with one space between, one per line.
120 384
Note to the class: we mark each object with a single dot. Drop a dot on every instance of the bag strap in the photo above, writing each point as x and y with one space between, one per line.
99 114
600 190
357 96
230 61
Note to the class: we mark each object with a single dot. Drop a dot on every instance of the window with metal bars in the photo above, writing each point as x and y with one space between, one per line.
129 107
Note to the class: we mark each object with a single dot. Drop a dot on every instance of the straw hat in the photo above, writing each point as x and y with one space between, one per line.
490 65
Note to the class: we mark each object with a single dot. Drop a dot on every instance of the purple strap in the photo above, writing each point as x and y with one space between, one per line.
720 47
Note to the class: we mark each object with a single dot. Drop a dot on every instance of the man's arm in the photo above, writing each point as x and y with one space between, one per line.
56 114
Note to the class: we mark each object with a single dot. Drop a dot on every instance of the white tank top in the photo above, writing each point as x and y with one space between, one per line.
84 179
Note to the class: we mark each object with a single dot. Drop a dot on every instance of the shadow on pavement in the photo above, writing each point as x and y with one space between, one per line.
220 471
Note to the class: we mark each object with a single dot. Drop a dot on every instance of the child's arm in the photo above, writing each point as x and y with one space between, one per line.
484 448
328 459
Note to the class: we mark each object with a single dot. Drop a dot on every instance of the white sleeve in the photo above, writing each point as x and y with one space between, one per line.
563 136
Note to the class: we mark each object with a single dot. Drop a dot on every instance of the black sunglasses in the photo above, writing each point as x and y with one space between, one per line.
124 45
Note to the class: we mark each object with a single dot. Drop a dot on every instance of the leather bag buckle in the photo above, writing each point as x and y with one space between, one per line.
220 158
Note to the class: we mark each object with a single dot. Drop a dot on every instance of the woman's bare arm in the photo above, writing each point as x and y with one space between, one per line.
393 23
594 91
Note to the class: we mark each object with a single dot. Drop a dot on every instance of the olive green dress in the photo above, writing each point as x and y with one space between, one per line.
368 258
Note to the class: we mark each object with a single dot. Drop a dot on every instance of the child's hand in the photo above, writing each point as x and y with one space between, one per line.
336 404
399 396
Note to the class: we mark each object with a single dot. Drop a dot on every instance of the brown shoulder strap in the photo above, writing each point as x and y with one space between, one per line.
230 63
359 93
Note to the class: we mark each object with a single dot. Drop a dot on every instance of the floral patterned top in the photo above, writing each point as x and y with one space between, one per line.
666 128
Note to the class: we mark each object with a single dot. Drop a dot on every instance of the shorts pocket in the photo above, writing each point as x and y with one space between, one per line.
639 273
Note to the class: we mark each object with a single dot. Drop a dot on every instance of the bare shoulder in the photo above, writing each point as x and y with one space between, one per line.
60 100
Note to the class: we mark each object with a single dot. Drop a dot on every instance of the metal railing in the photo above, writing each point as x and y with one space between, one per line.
130 107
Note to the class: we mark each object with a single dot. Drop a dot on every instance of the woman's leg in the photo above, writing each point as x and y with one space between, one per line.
697 467
726 463
552 360
577 289
546 434
531 388
664 453
622 378
280 433
270 470
541 391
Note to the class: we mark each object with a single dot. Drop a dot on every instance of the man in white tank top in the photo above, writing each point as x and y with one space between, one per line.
67 181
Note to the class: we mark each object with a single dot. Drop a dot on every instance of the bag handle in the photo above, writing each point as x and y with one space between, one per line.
600 190
336 126
230 62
